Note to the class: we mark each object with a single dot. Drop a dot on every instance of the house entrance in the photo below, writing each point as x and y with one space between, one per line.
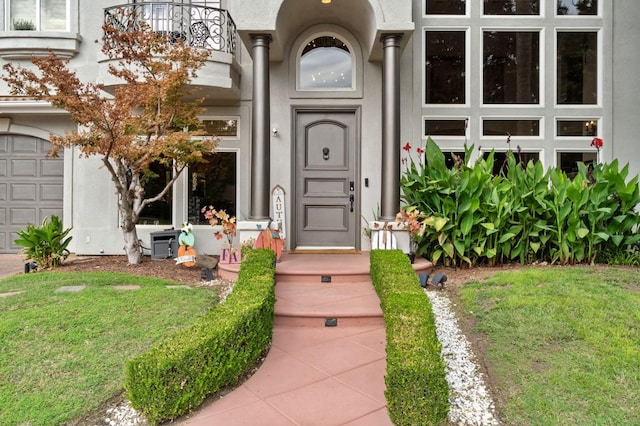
326 182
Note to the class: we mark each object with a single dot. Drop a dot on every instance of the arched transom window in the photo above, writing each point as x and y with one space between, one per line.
326 63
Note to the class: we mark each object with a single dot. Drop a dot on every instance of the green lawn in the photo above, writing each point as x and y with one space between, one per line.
63 354
564 344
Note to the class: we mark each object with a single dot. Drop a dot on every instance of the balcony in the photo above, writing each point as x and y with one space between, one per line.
197 26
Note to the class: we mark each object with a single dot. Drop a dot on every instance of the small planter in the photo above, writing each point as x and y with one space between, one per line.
228 256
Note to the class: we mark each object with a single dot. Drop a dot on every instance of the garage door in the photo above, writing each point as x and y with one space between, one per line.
31 186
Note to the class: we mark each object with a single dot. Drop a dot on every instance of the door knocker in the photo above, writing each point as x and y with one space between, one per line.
325 153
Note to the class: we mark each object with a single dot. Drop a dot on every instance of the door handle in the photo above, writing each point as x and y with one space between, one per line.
352 199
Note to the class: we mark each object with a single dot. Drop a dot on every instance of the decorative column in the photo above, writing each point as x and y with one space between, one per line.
390 196
260 136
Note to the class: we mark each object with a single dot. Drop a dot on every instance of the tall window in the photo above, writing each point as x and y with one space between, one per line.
445 67
511 68
326 63
577 64
212 183
38 15
154 181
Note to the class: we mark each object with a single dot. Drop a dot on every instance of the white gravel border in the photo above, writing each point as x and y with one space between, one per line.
471 403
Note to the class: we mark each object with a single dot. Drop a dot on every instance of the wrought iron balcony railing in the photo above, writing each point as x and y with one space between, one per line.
198 26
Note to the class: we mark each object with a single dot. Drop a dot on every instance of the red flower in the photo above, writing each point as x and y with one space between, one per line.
420 150
597 142
407 147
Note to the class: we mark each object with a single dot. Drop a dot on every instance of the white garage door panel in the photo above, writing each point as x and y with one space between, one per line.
32 187
23 192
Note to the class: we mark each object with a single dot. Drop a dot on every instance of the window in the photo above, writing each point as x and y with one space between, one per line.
445 67
577 127
454 158
445 7
577 65
511 7
511 68
511 127
38 15
222 128
154 181
568 161
445 127
577 7
212 183
326 63
500 159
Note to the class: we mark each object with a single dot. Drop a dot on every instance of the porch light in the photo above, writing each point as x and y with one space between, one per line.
325 1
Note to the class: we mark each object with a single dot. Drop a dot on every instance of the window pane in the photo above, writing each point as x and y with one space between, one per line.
220 128
577 68
212 184
53 15
445 7
511 7
568 161
577 7
23 14
326 64
453 158
445 127
445 67
577 128
511 127
511 67
500 159
154 181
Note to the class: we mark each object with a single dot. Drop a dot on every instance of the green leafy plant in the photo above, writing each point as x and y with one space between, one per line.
521 214
47 244
23 25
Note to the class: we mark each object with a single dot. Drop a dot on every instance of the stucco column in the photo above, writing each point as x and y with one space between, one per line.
260 137
390 196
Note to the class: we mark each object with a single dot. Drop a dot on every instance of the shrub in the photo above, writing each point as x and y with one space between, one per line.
177 374
522 214
417 391
47 244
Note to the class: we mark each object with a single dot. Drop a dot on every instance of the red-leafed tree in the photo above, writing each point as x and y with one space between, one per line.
145 119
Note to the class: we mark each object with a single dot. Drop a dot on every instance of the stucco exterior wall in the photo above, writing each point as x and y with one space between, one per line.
626 85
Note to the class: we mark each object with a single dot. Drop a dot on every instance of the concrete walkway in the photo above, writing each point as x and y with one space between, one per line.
11 264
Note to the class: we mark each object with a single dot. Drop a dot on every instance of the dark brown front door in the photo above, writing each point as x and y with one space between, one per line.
326 203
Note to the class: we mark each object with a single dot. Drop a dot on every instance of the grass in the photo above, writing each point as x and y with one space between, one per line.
62 355
564 344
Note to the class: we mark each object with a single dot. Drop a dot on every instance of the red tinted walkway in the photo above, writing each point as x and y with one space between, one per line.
315 374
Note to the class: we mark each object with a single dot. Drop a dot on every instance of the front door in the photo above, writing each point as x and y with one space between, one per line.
326 203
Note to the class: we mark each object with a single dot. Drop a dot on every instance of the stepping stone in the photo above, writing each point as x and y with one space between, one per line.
127 287
179 286
70 288
11 293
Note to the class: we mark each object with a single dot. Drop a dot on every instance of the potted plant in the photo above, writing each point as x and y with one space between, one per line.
411 220
229 253
23 25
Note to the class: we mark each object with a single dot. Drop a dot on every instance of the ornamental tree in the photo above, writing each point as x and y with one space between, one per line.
147 118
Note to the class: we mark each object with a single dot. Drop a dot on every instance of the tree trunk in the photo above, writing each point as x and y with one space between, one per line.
131 245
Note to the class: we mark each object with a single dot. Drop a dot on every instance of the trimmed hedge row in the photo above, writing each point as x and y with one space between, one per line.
180 372
417 391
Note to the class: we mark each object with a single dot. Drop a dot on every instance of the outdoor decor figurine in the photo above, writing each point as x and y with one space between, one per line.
270 239
186 253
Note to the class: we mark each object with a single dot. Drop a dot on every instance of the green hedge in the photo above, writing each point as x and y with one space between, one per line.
417 391
180 372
